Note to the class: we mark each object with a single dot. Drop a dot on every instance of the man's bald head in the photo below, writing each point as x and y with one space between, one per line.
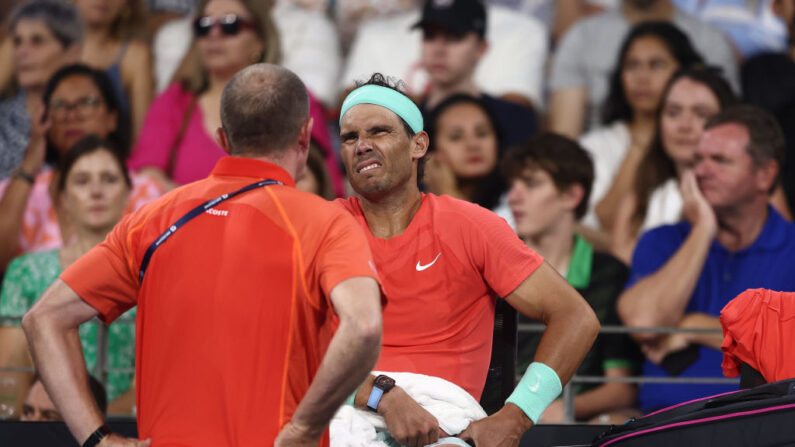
262 109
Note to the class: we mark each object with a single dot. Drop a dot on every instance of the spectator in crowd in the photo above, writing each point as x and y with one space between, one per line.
731 240
316 178
46 35
453 43
38 406
650 54
511 64
113 42
176 143
262 348
464 152
79 101
440 317
579 80
753 27
550 178
94 187
309 46
768 83
691 97
350 14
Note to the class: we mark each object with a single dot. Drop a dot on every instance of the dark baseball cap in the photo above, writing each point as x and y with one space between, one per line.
457 16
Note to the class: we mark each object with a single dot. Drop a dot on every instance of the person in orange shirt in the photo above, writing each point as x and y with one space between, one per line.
258 306
442 263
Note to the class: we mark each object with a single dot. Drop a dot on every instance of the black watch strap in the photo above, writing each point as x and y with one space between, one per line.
97 436
21 174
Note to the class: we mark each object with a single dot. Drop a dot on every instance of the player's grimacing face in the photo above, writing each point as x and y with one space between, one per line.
376 150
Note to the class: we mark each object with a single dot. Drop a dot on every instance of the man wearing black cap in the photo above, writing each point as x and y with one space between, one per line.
453 43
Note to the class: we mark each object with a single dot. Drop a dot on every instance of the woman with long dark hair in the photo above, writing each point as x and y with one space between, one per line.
692 96
93 188
650 54
79 101
464 154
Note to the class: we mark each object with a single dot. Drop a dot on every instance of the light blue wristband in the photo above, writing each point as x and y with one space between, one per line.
537 389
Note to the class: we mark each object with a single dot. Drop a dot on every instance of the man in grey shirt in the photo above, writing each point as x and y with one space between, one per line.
587 54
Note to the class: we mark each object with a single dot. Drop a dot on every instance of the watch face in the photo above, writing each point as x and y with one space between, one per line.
385 383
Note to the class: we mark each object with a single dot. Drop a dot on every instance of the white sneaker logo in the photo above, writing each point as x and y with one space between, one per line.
534 388
421 267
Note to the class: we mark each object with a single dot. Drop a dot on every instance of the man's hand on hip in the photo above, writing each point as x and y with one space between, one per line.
407 422
502 429
294 435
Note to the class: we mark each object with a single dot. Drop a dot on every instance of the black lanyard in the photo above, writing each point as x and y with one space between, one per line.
190 215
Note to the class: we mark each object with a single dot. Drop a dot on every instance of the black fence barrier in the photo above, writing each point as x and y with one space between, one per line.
55 434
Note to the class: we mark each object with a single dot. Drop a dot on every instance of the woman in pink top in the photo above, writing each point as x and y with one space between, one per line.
79 101
176 143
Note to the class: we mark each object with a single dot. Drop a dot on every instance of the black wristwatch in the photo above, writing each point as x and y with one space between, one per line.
381 385
21 174
98 435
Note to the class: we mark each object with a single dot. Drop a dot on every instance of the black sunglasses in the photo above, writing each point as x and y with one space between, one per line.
230 25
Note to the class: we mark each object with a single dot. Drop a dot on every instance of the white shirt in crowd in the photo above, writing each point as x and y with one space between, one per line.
514 62
607 147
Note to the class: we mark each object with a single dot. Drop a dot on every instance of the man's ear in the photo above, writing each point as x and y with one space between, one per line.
573 195
419 145
766 175
305 135
482 48
220 138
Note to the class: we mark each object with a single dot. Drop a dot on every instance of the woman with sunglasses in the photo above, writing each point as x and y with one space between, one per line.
176 143
79 101
113 29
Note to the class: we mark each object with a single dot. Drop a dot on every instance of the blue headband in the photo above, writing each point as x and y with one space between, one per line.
393 100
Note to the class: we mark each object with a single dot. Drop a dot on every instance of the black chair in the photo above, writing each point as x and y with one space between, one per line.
501 379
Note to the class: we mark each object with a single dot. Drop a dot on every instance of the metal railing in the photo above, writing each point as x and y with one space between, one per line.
568 390
101 368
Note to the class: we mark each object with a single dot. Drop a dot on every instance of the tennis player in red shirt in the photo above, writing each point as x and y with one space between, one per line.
442 263
240 280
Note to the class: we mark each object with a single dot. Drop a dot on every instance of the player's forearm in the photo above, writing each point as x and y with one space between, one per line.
348 361
569 335
661 298
59 361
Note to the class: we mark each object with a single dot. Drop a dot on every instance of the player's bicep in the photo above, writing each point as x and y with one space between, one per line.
63 306
544 293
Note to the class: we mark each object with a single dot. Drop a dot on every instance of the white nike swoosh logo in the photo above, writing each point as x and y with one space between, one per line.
421 267
534 388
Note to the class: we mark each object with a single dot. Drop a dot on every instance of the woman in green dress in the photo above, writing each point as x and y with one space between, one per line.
94 188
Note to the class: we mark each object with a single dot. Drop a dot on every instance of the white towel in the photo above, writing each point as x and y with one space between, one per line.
453 407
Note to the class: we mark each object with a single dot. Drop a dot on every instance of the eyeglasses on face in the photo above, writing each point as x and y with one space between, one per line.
230 25
59 108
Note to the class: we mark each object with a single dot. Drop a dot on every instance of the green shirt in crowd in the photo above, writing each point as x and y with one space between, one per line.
26 279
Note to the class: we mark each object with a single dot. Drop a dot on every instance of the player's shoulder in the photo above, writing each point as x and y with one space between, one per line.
457 213
448 204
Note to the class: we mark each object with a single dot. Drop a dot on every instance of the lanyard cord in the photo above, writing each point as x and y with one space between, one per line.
189 216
